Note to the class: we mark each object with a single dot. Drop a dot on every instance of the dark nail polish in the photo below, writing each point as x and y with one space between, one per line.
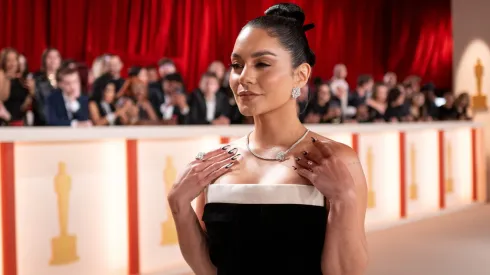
228 165
235 157
305 153
313 139
295 168
297 158
225 147
233 151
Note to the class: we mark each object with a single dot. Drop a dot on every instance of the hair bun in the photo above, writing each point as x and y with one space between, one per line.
308 27
287 10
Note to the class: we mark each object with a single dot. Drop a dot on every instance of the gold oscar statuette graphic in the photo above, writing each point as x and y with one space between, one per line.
371 192
169 232
64 246
449 168
413 170
479 101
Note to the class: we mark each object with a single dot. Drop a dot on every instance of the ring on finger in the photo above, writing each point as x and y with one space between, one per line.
200 155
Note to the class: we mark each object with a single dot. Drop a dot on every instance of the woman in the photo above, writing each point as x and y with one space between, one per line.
16 89
135 93
418 108
396 111
269 212
377 104
462 104
103 111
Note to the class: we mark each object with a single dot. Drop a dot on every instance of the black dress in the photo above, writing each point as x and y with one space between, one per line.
265 229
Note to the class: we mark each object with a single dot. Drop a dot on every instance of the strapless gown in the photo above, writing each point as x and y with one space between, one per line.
271 229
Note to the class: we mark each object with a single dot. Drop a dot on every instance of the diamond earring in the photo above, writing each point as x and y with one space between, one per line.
295 93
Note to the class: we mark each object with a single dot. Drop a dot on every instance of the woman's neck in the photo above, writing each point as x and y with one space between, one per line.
321 102
11 74
278 128
50 72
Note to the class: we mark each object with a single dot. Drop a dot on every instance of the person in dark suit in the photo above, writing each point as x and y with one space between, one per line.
66 106
169 99
207 106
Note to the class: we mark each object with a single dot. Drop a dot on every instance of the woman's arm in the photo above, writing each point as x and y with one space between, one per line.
345 251
4 86
192 239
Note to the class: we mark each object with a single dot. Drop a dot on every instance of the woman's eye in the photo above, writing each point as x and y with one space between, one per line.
262 65
236 66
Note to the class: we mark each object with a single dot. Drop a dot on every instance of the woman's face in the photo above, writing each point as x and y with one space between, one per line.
139 91
109 93
262 77
324 93
381 93
217 68
143 75
12 62
53 60
419 99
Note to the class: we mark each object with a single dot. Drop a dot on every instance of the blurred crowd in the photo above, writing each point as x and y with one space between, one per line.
65 92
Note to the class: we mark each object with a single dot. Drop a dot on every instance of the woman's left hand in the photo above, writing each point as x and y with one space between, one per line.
326 171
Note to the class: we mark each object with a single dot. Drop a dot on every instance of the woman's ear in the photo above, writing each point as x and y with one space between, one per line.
302 75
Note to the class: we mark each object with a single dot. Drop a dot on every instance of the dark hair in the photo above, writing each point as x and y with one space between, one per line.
376 86
285 22
165 61
363 79
65 71
174 77
210 74
134 71
44 56
393 95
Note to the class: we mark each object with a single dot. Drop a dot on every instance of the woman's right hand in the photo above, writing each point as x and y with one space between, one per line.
199 174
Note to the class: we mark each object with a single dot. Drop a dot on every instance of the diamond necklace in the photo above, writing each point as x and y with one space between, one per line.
281 156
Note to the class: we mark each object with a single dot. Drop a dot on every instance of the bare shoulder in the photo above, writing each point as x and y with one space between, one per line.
342 151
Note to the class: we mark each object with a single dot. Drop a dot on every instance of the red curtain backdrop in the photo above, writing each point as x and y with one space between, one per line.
405 36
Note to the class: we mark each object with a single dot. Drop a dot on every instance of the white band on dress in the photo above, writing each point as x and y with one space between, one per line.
264 194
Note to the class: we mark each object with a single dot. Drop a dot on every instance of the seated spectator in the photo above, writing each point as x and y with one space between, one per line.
67 106
169 100
114 67
362 115
377 103
103 110
166 66
152 74
430 100
320 109
141 112
207 106
418 108
448 111
140 72
361 93
16 89
45 82
395 112
462 105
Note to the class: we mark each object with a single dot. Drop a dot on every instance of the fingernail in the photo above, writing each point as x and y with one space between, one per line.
228 165
295 168
297 158
305 153
233 151
235 157
225 147
313 139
